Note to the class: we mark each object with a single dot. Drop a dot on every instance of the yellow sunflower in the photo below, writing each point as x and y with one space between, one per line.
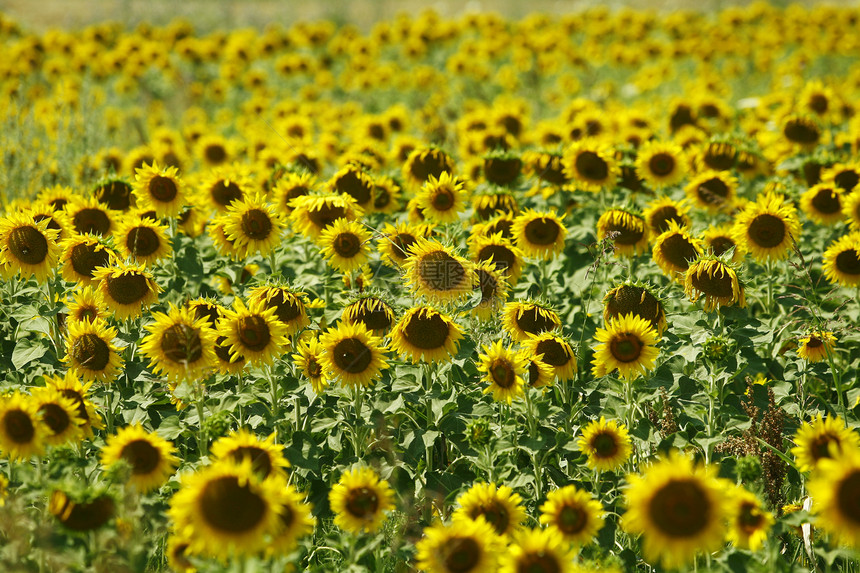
423 163
360 501
822 203
573 513
206 308
539 234
822 438
851 209
310 361
606 444
179 345
267 457
353 354
86 306
590 165
712 190
313 213
556 352
159 188
424 333
345 245
540 373
295 522
57 219
503 370
224 185
27 246
376 314
252 226
662 212
680 509
637 299
661 163
626 230
177 555
492 204
842 260
538 551
291 186
386 195
802 130
501 253
434 271
70 386
22 431
397 241
82 255
253 332
151 458
290 305
494 290
81 515
524 319
768 228
465 546
816 345
443 199
60 414
126 289
716 280
88 216
90 351
749 522
718 240
115 193
835 489
674 250
142 239
353 181
628 344
228 362
500 506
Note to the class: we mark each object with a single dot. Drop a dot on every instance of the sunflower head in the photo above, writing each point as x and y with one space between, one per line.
370 310
712 190
442 199
424 163
573 513
252 226
842 260
27 246
816 346
749 522
538 550
675 249
426 333
465 545
310 360
835 487
716 280
398 240
180 345
503 370
556 352
434 271
822 438
345 245
60 415
590 165
767 228
81 515
524 319
502 168
500 506
90 351
539 234
494 290
142 239
266 456
252 332
634 298
312 214
607 444
626 230
353 354
22 428
661 164
360 500
627 344
662 212
115 193
126 288
352 180
822 203
290 305
151 458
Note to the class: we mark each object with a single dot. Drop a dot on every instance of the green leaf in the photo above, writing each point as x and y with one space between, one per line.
27 350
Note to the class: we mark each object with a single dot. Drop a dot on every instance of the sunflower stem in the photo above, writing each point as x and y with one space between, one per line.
769 300
240 391
202 438
836 375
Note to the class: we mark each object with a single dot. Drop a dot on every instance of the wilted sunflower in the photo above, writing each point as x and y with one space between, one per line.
749 522
628 344
126 289
538 550
607 444
253 332
499 252
88 216
494 290
842 260
465 546
822 203
680 509
151 458
716 280
290 305
267 457
637 299
60 415
822 438
500 506
590 165
82 515
712 190
573 513
503 370
142 239
90 351
434 271
353 354
835 489
556 352
626 230
159 188
252 226
523 319
22 431
662 212
674 250
816 346
661 164
425 162
442 199
70 386
27 246
767 228
376 314
539 234
360 501
180 346
719 240
82 255
345 245
424 333
314 213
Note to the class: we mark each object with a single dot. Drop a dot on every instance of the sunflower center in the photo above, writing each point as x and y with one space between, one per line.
261 463
501 256
604 445
714 191
256 224
325 215
163 189
848 262
571 519
718 285
591 166
142 241
91 352
767 231
426 332
826 201
352 355
181 343
503 374
347 245
721 245
225 192
127 288
538 562
362 502
287 308
750 518
461 554
535 320
818 103
680 508
554 353
678 250
28 245
502 170
625 234
847 179
661 164
443 199
254 332
848 497
93 221
820 446
542 231
496 515
55 417
814 342
534 373
661 218
626 347
314 369
215 153
381 197
115 194
377 319
222 351
230 505
720 158
441 272
429 163
800 131
19 426
85 258
356 187
402 242
142 456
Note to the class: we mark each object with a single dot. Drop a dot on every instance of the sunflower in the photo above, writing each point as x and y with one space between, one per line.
540 374
499 252
628 345
844 176
548 168
225 509
801 130
142 239
290 305
835 489
376 314
823 438
57 219
822 203
85 306
499 225
425 333
607 444
524 319
573 513
539 234
295 522
386 195
674 250
749 522
626 230
716 280
90 351
208 309
465 546
159 188
88 216
538 551
291 186
126 288
252 226
345 245
503 370
661 164
360 500
180 346
492 204
82 255
353 354
556 352
27 246
718 240
60 415
637 299
310 360
494 290
434 271
851 209
398 240
177 555
312 214
500 506
590 165
679 507
353 181
22 430
423 163
252 332
842 260
82 515
442 199
266 456
224 185
662 212
712 190
816 346
71 387
228 362
192 219
151 458
768 228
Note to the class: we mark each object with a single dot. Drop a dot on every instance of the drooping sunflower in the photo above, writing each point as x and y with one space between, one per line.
590 165
424 333
82 255
712 190
842 260
626 230
822 438
503 370
718 240
353 354
179 345
465 546
126 288
539 551
360 500
680 509
432 270
816 345
142 239
70 386
494 203
22 431
370 310
295 522
573 513
822 203
767 228
91 217
159 188
252 225
290 305
425 162
90 351
749 522
494 290
556 352
661 163
60 415
310 360
442 199
674 250
716 280
151 458
500 506
267 457
627 344
523 319
637 299
607 444
835 489
313 213
28 246
501 253
539 234
253 332
662 212
345 245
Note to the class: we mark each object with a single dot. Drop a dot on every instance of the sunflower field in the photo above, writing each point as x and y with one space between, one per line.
568 293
